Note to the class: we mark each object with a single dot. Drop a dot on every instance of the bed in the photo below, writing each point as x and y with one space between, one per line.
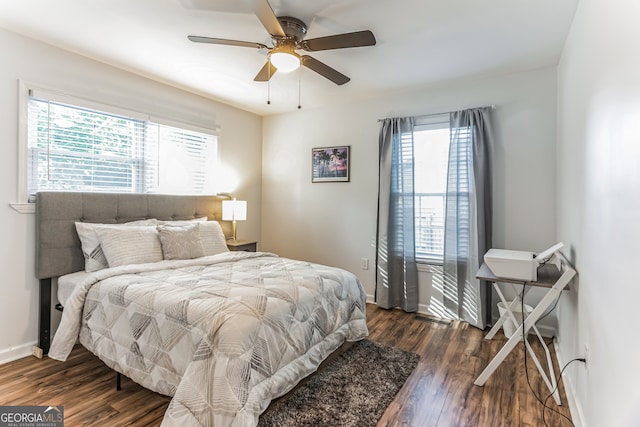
224 333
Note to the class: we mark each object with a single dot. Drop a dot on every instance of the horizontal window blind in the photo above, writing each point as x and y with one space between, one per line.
431 149
402 184
178 161
431 122
459 186
76 148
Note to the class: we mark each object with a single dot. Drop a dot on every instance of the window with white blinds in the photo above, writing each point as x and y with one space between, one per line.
431 157
73 147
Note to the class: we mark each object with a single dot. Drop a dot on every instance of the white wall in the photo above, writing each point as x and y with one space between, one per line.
599 208
335 223
26 59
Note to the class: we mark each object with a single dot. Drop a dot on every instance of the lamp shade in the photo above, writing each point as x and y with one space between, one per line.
234 210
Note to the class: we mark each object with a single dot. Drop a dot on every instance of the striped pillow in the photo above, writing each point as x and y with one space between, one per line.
130 245
212 236
94 258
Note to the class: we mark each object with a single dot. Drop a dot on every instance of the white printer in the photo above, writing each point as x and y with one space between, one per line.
518 265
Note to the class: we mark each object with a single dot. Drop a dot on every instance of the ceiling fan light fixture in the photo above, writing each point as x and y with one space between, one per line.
288 35
284 60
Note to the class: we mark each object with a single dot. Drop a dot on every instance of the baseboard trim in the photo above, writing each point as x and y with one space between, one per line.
546 331
14 353
575 408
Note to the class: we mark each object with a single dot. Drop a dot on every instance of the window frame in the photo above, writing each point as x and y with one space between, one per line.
25 89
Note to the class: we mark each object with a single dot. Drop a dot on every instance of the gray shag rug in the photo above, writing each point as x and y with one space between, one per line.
352 390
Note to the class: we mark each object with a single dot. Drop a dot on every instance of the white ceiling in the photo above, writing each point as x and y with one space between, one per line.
419 42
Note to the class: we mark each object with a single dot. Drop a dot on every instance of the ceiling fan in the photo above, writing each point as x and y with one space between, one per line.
287 34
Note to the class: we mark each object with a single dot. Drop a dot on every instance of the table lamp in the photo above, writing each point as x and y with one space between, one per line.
234 210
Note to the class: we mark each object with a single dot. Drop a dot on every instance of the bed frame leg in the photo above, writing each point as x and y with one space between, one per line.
118 381
45 315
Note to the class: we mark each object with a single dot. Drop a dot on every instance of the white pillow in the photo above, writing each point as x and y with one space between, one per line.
212 236
180 221
94 258
180 242
130 245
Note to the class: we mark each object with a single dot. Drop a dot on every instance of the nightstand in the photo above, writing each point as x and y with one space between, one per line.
242 245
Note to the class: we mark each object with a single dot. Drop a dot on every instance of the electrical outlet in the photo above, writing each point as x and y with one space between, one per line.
36 351
364 263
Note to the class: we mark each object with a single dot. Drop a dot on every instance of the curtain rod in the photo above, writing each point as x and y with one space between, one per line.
492 106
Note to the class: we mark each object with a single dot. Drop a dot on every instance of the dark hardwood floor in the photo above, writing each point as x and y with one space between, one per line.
440 392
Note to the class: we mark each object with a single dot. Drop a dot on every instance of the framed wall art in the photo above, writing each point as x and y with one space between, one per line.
330 164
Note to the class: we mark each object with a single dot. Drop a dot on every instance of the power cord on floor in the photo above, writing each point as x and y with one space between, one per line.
544 404
526 370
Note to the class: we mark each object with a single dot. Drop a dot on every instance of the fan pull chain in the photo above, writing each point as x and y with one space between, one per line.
268 81
299 85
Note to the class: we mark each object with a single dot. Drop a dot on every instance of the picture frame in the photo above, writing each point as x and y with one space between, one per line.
331 164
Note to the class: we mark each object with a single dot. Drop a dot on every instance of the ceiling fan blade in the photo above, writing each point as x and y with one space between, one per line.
265 14
265 73
200 39
339 41
324 70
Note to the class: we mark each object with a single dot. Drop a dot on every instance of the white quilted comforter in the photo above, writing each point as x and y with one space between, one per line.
223 335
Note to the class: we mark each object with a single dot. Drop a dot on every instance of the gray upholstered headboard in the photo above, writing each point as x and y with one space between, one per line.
58 250
58 246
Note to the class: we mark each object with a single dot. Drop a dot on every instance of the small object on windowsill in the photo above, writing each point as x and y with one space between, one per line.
242 245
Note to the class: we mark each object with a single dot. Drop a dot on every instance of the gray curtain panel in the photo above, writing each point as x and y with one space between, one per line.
396 271
468 215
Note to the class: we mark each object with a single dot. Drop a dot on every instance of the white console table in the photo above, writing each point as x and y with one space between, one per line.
550 277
